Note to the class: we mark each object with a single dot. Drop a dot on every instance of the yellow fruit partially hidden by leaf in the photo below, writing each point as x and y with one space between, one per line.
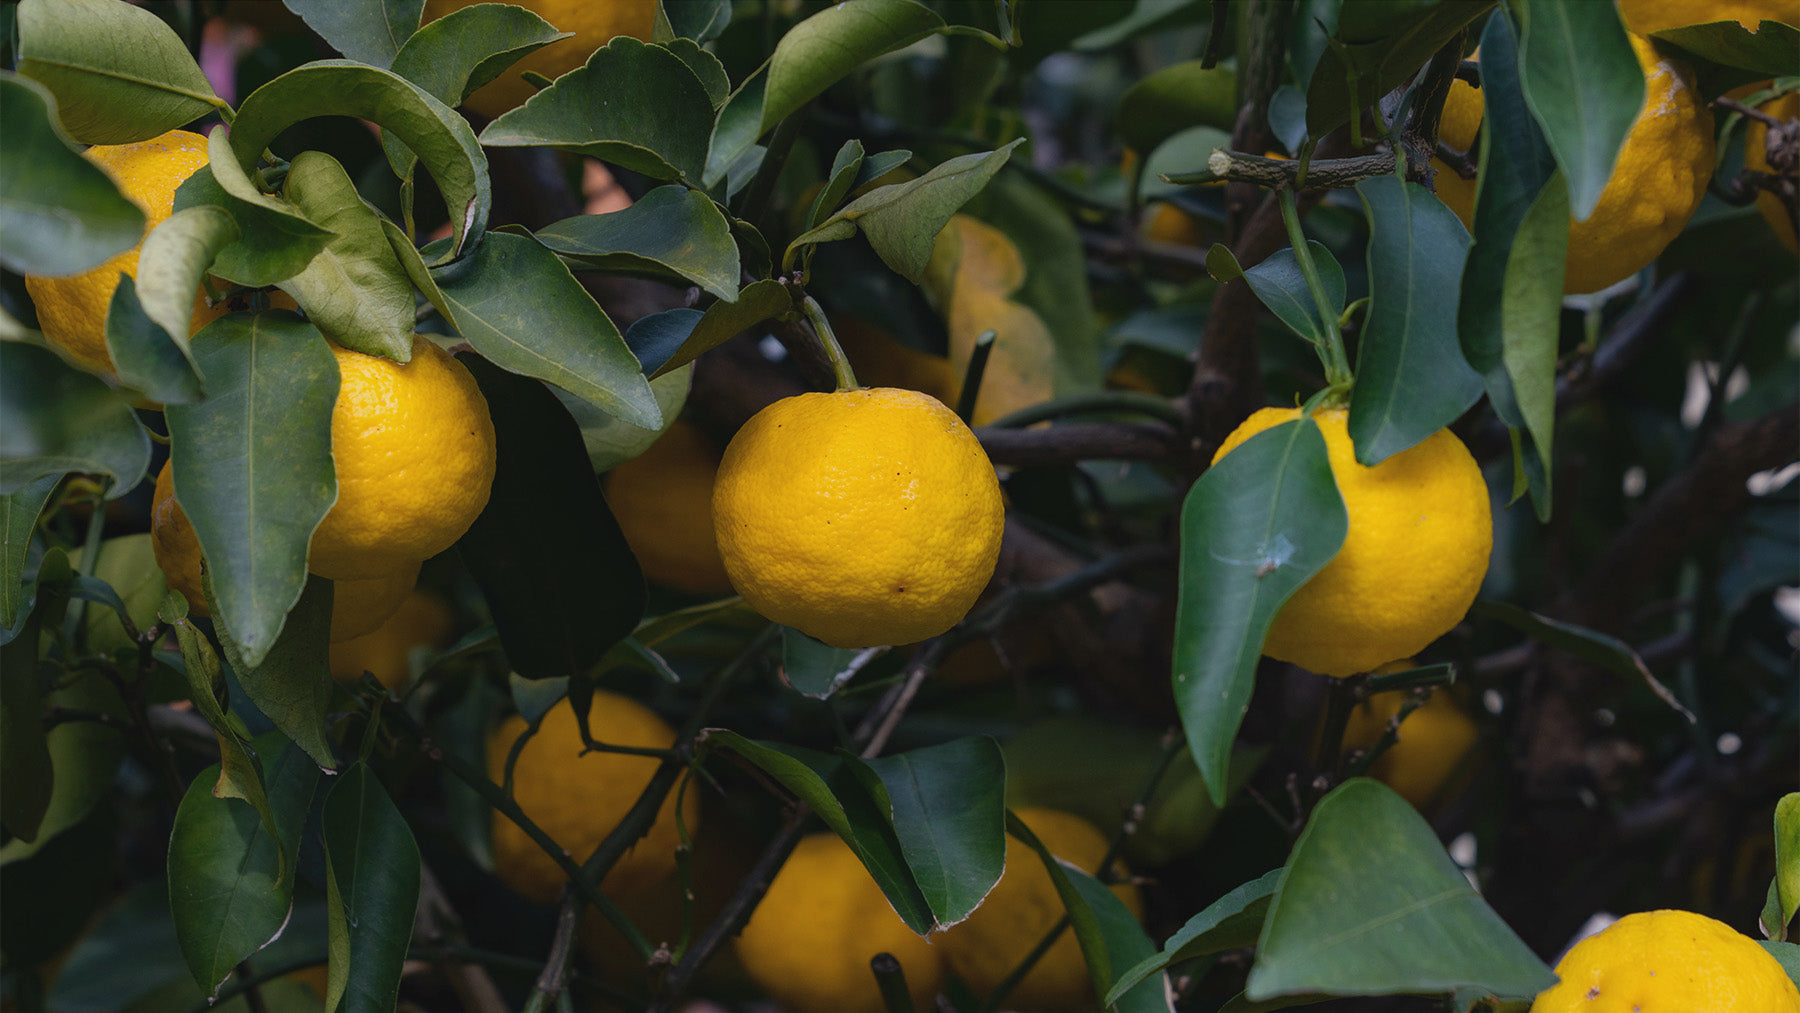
1668 962
175 544
361 606
662 500
1421 529
421 619
1166 223
594 22
1646 16
577 799
973 272
1458 128
1756 157
810 940
1430 745
414 449
860 518
1021 908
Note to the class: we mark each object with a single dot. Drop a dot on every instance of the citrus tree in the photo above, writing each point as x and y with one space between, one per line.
682 504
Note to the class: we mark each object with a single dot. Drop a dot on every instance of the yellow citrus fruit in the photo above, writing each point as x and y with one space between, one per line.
1166 223
1430 747
361 606
1023 906
861 517
577 799
419 619
414 450
809 942
1668 962
662 500
594 22
72 311
1756 156
1646 16
1412 560
1656 184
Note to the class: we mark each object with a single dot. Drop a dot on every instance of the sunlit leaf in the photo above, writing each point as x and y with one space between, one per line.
19 511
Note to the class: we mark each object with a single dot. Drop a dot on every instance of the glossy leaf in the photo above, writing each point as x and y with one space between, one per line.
1600 649
902 220
55 419
59 213
1411 377
1584 86
252 466
517 304
670 231
19 511
239 772
292 685
231 882
1231 922
949 811
433 131
1773 50
823 49
1281 286
372 867
275 241
1378 57
1256 526
354 291
1371 905
118 72
466 48
659 126
1181 95
817 669
554 617
148 322
1784 889
757 302
369 31
1531 321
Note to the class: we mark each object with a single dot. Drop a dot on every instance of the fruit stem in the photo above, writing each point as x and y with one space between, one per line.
840 363
1331 353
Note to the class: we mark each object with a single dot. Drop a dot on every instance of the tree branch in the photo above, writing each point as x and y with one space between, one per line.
1079 441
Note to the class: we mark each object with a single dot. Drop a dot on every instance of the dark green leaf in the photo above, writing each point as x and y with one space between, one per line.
433 131
19 511
252 466
1771 51
820 51
653 339
949 811
705 66
1233 921
275 241
26 772
413 263
1603 650
1223 265
1256 526
669 231
230 882
1411 377
240 773
659 126
1281 286
845 167
1784 889
118 72
817 669
517 304
610 442
759 301
902 220
84 754
1584 85
1146 16
372 867
1182 95
735 129
1531 321
1386 51
355 291
55 419
148 321
369 31
878 165
292 686
1371 905
1785 954
554 616
59 213
700 20
143 354
468 47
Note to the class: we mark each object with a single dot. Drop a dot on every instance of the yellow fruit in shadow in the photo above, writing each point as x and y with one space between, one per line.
662 499
359 607
594 22
1644 17
1458 128
578 798
421 619
1166 223
1421 530
1021 908
1668 962
1432 741
973 273
882 361
1756 156
809 942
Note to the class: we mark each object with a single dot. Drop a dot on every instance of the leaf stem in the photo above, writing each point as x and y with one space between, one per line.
834 352
1338 376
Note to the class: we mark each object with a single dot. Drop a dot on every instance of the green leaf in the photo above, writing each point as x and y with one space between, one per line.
659 126
433 131
240 772
1785 954
26 771
554 617
1281 286
610 442
55 419
275 241
700 20
757 302
231 882
845 166
705 66
1599 649
1145 16
949 811
1256 526
1584 85
369 31
817 669
656 337
1179 96
144 356
372 865
413 263
671 232
1771 51
1378 56
118 72
735 129
468 47
60 214
19 511
1531 320
902 220
1411 377
355 291
292 685
1371 905
149 318
823 49
85 756
516 303
1784 889
1231 922
253 467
